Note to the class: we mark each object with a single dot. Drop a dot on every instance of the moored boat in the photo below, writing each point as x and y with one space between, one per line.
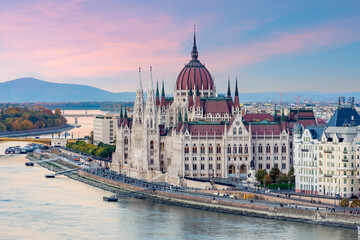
110 199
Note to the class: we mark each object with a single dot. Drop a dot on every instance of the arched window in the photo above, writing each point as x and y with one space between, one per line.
235 149
202 148
240 131
186 149
218 148
268 148
210 149
126 140
240 149
283 148
246 149
229 148
234 131
194 149
151 145
276 148
260 148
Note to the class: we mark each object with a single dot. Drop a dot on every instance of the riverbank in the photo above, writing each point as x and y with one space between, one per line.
198 202
34 132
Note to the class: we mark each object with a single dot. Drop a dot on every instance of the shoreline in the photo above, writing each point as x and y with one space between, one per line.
40 131
237 208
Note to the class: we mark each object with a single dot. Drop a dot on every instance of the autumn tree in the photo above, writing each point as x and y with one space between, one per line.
58 112
344 203
260 176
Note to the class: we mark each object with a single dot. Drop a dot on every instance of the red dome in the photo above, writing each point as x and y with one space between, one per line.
194 74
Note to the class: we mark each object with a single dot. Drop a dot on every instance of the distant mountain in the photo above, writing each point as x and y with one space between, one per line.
34 90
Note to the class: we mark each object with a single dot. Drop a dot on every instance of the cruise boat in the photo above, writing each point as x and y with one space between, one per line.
110 199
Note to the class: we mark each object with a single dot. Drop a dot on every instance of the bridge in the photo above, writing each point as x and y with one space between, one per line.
43 141
79 115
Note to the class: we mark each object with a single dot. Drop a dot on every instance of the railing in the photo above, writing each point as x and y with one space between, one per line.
305 150
328 175
327 151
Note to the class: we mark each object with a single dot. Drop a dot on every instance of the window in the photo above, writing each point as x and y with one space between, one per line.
194 149
259 148
194 166
202 158
229 149
268 166
246 148
240 131
210 166
283 166
235 149
186 149
218 148
260 165
260 158
283 149
240 148
151 145
202 149
151 161
194 158
162 146
186 167
276 148
186 158
268 148
218 158
202 166
234 131
126 140
218 166
210 149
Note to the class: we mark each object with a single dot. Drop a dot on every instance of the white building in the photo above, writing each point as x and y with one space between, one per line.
327 160
105 128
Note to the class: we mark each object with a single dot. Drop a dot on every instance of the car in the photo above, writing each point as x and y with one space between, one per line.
232 196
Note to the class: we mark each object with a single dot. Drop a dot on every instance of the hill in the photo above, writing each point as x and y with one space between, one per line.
34 90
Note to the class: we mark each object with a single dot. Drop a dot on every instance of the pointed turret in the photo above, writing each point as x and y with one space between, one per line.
283 116
186 116
180 118
236 99
121 113
157 94
194 52
139 81
275 114
228 91
163 103
125 114
139 102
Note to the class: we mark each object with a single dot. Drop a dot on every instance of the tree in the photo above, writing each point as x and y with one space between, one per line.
268 180
260 176
58 112
344 203
355 204
291 175
274 173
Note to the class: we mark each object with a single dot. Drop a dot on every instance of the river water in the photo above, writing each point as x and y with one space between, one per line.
33 207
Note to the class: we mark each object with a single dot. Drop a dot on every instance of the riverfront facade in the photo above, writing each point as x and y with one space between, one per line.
327 158
199 134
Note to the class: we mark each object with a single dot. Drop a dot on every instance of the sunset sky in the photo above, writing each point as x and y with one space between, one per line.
268 45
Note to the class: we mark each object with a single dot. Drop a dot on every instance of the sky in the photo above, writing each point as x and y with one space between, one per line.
267 45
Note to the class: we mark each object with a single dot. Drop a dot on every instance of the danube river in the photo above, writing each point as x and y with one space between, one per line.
33 207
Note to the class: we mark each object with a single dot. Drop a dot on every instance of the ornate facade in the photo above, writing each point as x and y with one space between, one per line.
198 134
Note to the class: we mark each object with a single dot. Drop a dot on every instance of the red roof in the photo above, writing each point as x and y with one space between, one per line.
258 117
194 75
216 106
265 129
206 129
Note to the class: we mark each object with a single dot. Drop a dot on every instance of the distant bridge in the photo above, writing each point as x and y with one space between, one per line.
79 115
43 141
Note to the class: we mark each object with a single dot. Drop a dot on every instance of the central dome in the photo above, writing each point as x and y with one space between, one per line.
194 75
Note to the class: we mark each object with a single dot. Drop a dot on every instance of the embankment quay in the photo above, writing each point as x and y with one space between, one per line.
291 210
35 132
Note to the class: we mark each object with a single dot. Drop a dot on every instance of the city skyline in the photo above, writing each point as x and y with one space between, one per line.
269 46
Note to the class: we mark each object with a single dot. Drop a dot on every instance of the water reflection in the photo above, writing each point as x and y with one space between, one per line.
32 207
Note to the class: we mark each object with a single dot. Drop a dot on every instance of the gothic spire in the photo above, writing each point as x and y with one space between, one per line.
157 88
283 116
186 116
236 89
125 114
163 90
139 82
228 91
194 53
180 118
121 113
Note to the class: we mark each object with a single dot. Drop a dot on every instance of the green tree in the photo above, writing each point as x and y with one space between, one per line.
355 204
291 175
274 174
344 203
260 176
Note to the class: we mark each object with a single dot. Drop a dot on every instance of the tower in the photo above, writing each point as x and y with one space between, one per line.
139 102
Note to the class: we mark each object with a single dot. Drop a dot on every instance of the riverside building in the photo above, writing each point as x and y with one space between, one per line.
199 134
105 128
327 158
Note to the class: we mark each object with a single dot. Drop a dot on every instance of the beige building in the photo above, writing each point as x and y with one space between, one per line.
105 128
